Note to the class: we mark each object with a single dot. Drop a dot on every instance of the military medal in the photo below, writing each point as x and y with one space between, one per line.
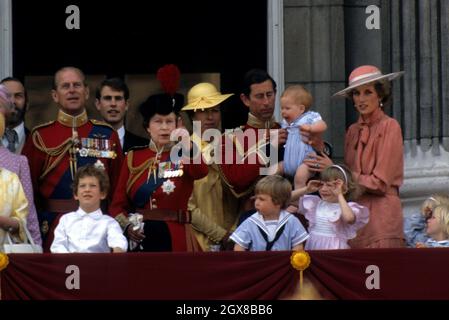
97 148
168 172
164 167
168 186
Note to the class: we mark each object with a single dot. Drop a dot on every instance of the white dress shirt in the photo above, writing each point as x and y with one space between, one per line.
121 135
20 130
96 232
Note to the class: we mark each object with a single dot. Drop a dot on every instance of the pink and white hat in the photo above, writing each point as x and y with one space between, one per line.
364 75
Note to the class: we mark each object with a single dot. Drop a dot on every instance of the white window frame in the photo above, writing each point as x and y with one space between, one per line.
276 47
5 38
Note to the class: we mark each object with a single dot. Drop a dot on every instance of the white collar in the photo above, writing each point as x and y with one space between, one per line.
121 131
20 129
94 214
121 134
259 220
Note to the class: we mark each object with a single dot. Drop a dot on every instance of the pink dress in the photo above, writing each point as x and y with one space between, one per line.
374 153
327 231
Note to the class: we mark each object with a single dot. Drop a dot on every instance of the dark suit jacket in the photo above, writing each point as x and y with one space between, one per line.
132 140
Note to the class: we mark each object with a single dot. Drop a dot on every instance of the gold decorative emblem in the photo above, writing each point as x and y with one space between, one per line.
4 260
300 260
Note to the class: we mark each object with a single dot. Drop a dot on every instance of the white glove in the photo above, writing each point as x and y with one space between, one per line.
136 220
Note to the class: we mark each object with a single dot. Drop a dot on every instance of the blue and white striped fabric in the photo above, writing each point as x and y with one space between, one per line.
249 237
295 149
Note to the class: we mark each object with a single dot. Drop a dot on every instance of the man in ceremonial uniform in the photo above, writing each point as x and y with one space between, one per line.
258 94
112 101
56 149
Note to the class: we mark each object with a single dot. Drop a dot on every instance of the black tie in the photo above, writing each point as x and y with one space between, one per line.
12 137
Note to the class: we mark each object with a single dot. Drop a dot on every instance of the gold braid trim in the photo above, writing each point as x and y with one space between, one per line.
231 187
136 171
58 152
259 124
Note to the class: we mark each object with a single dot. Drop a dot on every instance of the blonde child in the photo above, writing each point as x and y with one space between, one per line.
295 104
415 224
271 227
332 219
88 229
437 228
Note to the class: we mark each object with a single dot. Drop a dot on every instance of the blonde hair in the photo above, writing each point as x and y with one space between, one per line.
342 172
299 95
277 187
435 200
441 213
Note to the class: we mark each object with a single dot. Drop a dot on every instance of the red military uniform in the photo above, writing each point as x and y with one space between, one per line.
241 177
162 201
55 150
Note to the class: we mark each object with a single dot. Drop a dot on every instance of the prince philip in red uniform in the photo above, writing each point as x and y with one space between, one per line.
56 150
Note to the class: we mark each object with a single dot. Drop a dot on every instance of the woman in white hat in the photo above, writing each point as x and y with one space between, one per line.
374 153
213 205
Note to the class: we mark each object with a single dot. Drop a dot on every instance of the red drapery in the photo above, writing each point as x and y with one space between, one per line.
335 274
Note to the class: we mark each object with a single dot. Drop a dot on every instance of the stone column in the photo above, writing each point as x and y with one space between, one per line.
419 33
5 38
314 46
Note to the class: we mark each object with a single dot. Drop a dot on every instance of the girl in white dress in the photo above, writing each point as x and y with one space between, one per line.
332 219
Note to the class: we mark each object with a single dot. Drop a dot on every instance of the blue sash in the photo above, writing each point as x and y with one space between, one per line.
144 192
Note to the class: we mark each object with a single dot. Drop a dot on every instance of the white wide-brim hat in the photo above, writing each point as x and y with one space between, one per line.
204 96
364 75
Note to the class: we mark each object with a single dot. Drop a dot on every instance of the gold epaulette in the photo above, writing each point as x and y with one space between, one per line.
42 125
101 123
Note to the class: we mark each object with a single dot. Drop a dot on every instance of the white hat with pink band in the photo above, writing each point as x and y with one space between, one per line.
364 75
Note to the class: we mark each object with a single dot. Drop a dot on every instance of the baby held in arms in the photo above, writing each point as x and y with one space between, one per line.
295 109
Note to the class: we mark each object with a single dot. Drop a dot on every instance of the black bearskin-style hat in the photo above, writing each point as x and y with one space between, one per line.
164 103
161 104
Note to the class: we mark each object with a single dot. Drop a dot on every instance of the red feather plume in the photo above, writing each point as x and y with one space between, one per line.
168 76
